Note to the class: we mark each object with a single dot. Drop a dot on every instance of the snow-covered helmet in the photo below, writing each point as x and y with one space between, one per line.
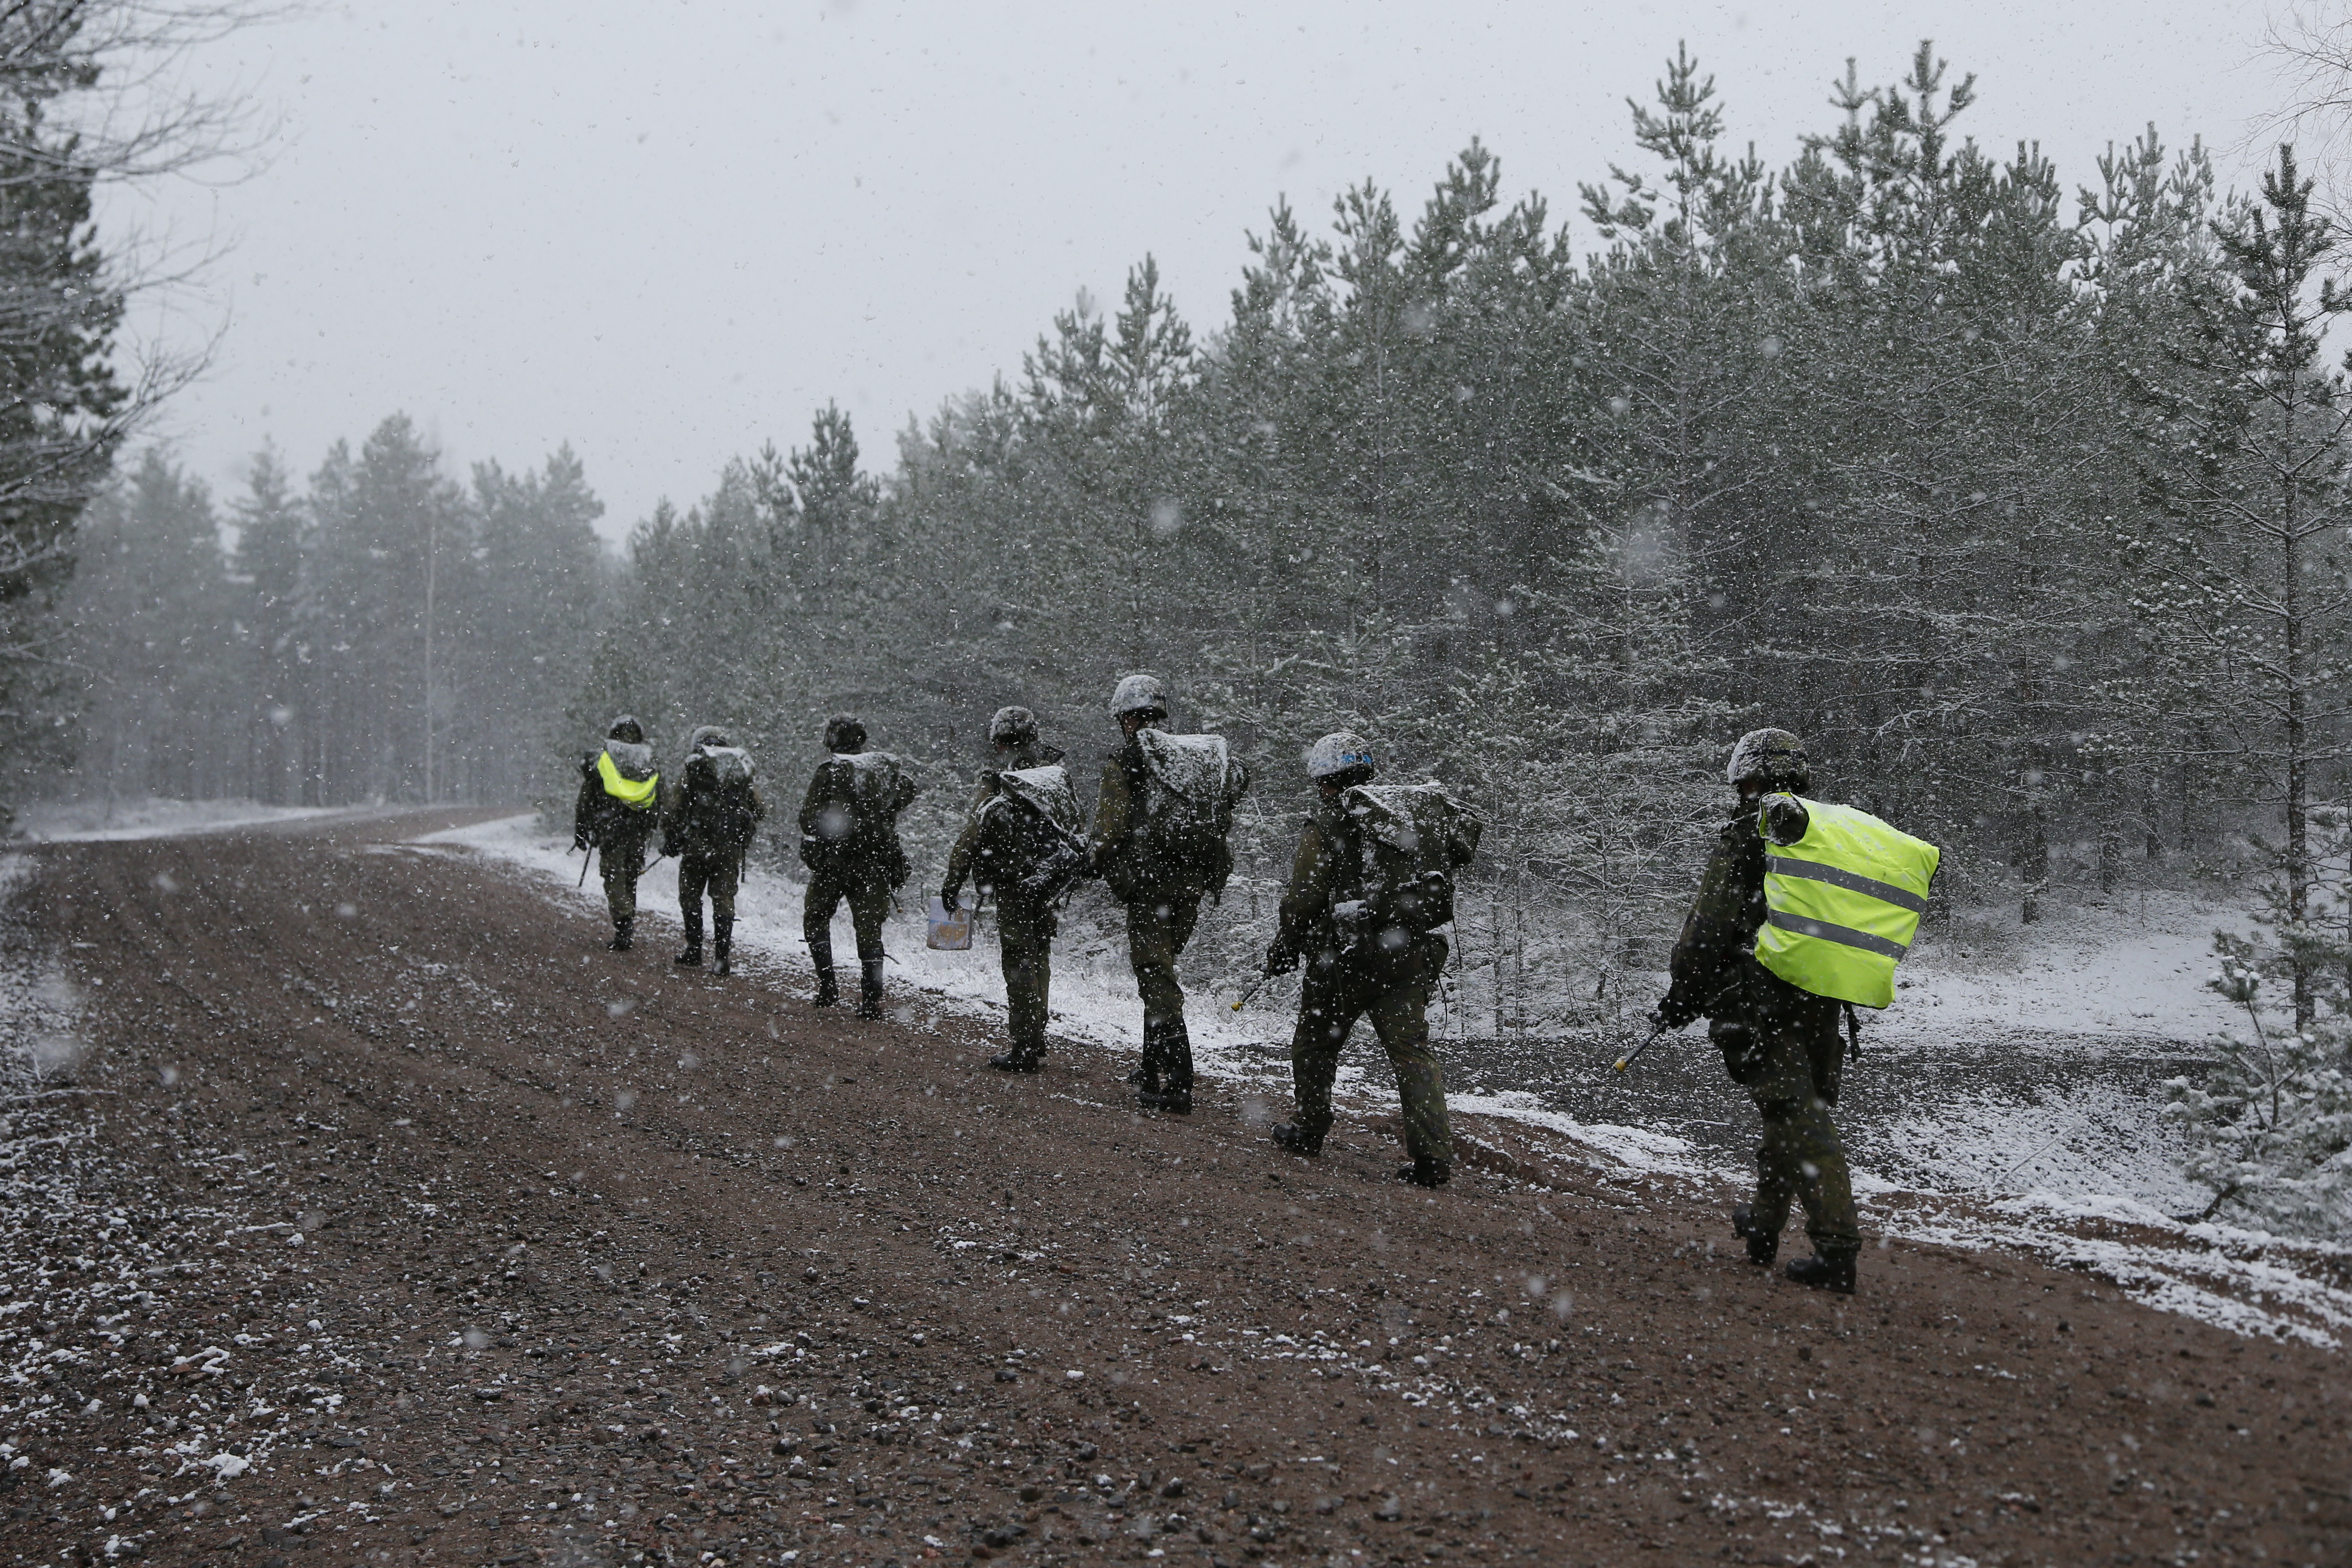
1012 727
1340 753
1773 758
626 728
845 733
1139 694
708 735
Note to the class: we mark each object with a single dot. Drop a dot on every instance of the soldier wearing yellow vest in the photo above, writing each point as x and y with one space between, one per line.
618 808
1804 912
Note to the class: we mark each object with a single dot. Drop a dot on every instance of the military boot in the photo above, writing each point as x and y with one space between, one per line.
723 939
690 955
1763 1246
1146 1075
1020 1058
821 955
1829 1269
1176 1093
1426 1172
622 927
869 989
1286 1136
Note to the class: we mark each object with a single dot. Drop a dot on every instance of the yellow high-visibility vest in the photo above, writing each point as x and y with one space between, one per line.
1842 903
629 792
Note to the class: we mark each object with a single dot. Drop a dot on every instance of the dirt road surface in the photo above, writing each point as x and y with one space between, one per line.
371 1212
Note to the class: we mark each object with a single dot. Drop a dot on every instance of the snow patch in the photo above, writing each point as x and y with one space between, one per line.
100 821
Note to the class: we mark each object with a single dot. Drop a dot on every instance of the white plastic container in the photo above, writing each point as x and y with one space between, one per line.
949 932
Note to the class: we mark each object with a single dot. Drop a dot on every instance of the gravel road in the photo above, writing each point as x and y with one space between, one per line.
363 1209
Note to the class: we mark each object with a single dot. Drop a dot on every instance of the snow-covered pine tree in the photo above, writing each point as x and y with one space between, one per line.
2254 572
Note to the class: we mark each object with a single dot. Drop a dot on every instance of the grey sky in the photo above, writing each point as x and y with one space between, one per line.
667 232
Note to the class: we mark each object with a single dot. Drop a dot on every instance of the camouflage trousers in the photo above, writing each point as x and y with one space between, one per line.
619 858
1157 931
868 896
1334 995
717 875
1024 947
1786 1052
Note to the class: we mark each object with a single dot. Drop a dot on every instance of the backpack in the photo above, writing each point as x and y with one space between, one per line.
1189 789
856 826
1410 839
721 803
1032 828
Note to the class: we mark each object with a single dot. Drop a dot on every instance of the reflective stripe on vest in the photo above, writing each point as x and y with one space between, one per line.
1843 904
636 794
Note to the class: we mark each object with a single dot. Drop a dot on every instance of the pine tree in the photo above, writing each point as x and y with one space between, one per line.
2256 572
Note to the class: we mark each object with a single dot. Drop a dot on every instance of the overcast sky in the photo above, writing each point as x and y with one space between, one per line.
666 233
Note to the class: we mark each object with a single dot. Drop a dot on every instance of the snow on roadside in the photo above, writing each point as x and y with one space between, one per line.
87 821
2130 967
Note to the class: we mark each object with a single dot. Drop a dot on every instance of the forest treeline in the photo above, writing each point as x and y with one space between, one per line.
380 633
2020 501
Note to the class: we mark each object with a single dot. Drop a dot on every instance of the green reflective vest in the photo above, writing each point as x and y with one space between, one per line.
636 795
1842 903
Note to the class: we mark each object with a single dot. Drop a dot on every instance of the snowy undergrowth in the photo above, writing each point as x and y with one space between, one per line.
2244 1281
122 1300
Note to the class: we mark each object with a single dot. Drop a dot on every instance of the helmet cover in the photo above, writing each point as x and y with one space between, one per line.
1139 694
1341 752
845 733
1012 727
1772 757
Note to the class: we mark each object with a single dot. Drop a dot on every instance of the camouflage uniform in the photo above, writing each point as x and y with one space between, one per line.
1779 1043
619 834
1163 905
709 836
862 871
1343 981
1025 924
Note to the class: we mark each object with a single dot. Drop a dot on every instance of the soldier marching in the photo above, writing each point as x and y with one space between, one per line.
1804 911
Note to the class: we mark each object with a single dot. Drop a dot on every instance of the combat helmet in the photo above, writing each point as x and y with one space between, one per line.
1139 694
1772 758
1341 758
1012 727
844 734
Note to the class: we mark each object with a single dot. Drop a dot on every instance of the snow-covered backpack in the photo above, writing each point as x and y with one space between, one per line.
1190 787
855 823
1031 832
1410 841
734 811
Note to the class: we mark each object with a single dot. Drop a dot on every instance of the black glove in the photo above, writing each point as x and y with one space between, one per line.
1279 959
950 899
580 841
1671 1013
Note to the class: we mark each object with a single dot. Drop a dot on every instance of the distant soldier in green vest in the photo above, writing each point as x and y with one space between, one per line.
620 795
1802 913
